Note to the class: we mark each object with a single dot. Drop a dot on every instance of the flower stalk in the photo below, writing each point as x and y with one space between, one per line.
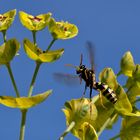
69 128
52 42
22 126
12 79
4 35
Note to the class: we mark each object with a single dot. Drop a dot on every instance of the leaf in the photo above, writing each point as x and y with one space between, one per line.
130 128
87 132
24 102
127 64
38 55
104 112
79 111
123 105
108 77
8 50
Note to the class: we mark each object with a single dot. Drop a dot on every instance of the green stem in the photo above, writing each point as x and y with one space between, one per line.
34 37
12 79
33 79
4 35
69 128
50 44
22 126
119 73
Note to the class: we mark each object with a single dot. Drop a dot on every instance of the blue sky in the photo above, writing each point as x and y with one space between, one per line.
114 28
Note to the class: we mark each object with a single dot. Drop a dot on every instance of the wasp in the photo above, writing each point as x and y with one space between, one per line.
89 77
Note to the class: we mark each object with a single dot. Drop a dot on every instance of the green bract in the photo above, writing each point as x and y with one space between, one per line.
108 77
62 30
127 64
34 23
6 19
24 102
38 55
87 132
8 50
79 111
130 128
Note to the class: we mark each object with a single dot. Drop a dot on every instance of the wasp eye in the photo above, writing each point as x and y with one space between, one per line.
82 67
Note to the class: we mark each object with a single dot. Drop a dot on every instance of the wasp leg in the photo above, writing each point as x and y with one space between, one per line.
90 96
84 91
100 97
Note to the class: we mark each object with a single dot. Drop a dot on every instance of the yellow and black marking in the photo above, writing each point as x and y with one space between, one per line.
106 91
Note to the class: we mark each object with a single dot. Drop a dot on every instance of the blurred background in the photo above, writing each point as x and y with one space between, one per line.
112 26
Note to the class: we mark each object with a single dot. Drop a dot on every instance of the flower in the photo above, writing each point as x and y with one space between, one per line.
62 30
39 55
34 23
6 19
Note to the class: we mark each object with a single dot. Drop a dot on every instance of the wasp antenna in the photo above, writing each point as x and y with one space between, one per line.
81 59
70 65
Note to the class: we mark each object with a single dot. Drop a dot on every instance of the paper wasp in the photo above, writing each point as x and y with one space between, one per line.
88 75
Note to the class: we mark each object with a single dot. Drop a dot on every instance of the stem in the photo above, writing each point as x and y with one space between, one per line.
22 126
50 44
33 79
12 79
119 73
4 35
69 128
34 37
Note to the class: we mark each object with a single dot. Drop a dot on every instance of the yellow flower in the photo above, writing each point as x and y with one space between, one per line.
79 111
38 55
6 19
34 23
62 30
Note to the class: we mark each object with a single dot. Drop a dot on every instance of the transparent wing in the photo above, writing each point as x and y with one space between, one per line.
91 49
67 79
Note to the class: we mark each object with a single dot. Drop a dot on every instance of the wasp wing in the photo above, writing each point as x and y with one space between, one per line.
91 49
67 79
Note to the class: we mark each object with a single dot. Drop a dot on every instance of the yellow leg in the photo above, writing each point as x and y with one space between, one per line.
100 97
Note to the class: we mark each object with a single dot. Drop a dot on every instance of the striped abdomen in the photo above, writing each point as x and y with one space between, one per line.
106 91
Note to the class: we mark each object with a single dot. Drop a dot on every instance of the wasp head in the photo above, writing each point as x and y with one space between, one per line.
80 69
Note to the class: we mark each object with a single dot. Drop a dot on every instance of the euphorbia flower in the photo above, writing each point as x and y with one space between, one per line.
62 30
79 111
39 55
34 23
6 19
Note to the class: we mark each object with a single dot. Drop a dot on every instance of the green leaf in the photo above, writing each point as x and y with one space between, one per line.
127 64
8 50
87 132
38 55
123 105
108 77
34 23
24 102
104 112
7 19
130 128
79 111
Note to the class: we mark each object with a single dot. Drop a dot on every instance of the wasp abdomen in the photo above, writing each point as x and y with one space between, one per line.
106 91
